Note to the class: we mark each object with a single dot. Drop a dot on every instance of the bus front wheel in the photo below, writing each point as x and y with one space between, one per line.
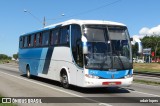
64 80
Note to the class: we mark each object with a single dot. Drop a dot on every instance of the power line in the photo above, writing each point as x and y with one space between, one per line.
100 7
92 10
33 16
80 13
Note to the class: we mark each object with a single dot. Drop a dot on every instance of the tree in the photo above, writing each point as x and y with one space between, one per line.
152 42
135 50
15 56
4 57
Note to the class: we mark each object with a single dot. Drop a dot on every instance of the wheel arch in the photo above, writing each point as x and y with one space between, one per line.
65 70
28 66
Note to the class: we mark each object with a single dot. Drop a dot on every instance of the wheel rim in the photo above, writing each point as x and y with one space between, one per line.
65 81
28 73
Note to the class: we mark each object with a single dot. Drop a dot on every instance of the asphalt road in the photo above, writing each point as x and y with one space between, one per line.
147 77
14 84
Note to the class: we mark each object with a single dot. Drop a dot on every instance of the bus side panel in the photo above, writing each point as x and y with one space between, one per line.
30 57
62 58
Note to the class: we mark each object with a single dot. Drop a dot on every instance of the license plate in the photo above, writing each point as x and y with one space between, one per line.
111 83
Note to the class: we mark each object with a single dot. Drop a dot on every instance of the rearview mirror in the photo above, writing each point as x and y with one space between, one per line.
85 50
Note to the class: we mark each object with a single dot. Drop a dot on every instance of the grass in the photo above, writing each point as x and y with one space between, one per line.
6 104
4 61
147 67
147 82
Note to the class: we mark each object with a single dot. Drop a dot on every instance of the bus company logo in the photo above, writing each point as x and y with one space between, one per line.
93 72
6 100
112 70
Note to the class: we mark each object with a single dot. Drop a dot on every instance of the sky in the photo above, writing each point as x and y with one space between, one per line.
141 16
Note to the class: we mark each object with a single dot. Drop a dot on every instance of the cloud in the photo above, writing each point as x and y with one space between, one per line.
138 36
152 31
144 31
148 31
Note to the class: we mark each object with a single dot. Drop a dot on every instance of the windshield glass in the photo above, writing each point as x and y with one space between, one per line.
108 47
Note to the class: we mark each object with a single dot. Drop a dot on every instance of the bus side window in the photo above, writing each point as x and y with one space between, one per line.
25 42
29 41
35 40
32 40
64 38
21 42
51 38
55 38
45 38
38 39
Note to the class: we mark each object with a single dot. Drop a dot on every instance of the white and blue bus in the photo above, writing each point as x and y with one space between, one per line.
85 53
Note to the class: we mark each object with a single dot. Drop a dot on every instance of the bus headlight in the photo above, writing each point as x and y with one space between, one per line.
128 76
91 76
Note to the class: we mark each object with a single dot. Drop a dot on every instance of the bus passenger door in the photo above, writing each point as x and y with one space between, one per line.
75 49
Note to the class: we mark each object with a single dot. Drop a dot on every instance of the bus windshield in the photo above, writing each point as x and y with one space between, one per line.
108 47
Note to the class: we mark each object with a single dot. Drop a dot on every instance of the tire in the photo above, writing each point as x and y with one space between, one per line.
64 80
28 74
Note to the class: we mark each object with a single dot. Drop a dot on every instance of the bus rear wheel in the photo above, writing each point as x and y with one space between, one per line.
28 72
64 80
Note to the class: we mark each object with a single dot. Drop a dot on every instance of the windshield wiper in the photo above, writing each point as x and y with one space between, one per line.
119 59
103 62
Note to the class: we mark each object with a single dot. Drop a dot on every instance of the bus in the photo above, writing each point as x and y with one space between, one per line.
84 53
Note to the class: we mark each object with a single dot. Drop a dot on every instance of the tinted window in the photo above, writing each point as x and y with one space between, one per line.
117 33
35 38
76 44
45 37
55 37
51 38
64 38
95 34
20 42
25 41
76 35
38 39
32 40
29 41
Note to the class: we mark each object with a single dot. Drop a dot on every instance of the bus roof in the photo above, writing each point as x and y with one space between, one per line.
80 22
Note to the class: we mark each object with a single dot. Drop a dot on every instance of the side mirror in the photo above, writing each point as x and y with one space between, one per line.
85 47
85 50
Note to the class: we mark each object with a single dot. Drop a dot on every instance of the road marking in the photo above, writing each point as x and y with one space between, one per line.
139 84
145 93
104 104
57 89
141 92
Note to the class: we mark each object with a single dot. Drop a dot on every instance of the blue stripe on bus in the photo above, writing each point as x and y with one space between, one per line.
47 60
110 74
32 57
39 59
42 60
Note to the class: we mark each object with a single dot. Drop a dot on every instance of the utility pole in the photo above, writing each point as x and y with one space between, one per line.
40 21
44 21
